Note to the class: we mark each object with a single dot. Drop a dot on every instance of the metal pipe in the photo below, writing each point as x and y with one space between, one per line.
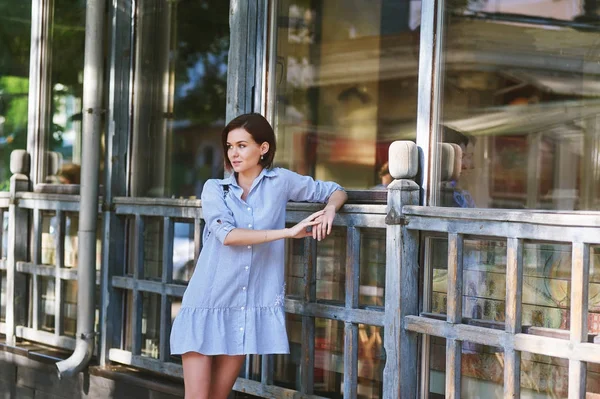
88 214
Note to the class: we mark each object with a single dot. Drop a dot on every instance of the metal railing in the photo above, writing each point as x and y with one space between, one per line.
24 307
354 218
579 229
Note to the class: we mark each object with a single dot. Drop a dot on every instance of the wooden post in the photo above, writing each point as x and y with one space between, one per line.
16 283
401 294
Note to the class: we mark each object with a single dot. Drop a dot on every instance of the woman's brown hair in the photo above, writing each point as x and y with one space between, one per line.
261 131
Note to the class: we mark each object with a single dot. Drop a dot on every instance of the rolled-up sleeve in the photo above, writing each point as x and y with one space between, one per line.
306 189
217 216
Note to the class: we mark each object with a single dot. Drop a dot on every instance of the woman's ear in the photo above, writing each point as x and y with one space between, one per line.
264 148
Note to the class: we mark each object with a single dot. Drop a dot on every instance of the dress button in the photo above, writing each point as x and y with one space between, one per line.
249 225
243 288
249 209
243 308
241 328
246 267
249 246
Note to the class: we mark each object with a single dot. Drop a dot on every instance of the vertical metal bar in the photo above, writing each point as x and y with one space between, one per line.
58 282
427 295
307 366
580 277
267 369
455 284
167 277
350 359
353 238
429 97
138 274
453 362
37 260
514 292
272 63
455 277
40 87
2 254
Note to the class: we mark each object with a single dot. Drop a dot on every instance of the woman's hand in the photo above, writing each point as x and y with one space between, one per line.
301 229
323 229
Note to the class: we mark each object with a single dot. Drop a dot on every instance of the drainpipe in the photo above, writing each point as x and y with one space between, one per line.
93 73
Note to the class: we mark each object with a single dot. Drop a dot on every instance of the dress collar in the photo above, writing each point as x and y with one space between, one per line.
232 181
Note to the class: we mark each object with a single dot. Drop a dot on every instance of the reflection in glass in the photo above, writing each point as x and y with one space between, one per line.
482 370
180 81
183 251
46 308
49 238
329 357
544 375
294 267
64 132
174 304
345 86
371 360
150 324
287 367
331 266
484 278
153 248
520 100
69 303
546 285
372 267
15 39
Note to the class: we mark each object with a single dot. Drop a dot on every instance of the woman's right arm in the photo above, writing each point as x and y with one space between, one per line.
239 236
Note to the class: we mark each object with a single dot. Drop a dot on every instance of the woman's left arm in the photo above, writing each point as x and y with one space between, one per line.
335 202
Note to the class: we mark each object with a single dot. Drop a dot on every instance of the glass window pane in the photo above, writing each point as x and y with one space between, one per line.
331 266
546 285
183 251
46 308
287 367
329 357
49 238
545 375
482 370
294 267
519 105
15 39
70 307
150 324
2 296
180 88
64 133
372 267
594 292
345 86
371 361
153 248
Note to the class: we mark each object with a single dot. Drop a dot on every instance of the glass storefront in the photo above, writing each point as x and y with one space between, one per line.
345 86
520 97
15 42
67 53
179 84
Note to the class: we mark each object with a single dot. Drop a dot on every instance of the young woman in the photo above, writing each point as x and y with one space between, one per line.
233 305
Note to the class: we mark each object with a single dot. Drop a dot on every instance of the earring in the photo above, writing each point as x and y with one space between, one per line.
262 157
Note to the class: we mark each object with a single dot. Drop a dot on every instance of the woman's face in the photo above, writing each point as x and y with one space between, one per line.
243 152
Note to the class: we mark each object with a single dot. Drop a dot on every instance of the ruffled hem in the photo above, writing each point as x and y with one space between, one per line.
229 331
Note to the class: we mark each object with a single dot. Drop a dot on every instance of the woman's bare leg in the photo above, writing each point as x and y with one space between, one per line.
197 375
225 370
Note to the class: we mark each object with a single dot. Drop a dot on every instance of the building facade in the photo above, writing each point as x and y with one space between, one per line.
499 97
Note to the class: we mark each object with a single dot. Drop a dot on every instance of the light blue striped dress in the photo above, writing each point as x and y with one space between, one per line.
233 304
